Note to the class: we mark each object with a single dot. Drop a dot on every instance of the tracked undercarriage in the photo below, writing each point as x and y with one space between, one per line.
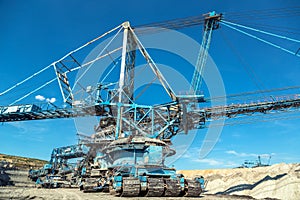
137 169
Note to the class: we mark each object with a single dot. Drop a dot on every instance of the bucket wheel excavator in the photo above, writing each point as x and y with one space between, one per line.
127 152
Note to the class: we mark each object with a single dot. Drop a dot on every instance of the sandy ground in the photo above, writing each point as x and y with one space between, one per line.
280 181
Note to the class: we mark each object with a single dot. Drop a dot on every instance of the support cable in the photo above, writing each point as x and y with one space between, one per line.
260 31
88 43
97 56
94 60
28 78
282 29
42 70
265 14
260 39
26 95
198 19
250 71
154 68
112 68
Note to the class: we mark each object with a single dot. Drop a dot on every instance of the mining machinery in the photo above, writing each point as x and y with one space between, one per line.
58 172
258 162
132 140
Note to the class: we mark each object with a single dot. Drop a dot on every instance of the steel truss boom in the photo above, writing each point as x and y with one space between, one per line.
198 117
121 116
231 111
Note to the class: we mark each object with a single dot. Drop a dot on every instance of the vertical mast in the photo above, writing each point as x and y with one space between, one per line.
211 23
126 81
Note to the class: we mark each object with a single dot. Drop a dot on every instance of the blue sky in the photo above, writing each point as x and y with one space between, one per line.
36 33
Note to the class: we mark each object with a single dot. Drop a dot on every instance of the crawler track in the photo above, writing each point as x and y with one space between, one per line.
155 187
131 187
173 188
193 188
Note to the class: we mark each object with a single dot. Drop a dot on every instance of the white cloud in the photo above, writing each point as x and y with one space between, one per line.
52 100
232 152
211 162
40 97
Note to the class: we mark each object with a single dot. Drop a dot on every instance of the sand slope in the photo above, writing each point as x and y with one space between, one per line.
281 181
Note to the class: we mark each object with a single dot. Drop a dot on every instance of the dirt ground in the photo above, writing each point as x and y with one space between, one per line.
280 181
25 189
75 194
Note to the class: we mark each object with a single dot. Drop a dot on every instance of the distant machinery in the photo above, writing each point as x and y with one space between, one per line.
258 163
